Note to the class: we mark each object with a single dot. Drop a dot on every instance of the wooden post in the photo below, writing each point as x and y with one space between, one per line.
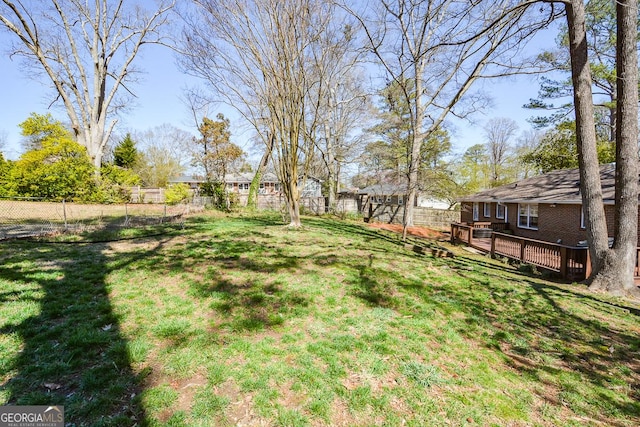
564 261
522 245
64 213
493 245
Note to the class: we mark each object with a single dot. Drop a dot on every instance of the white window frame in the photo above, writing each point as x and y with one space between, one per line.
528 216
486 210
476 211
583 224
504 211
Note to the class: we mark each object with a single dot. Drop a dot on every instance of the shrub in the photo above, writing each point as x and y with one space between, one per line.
117 175
61 169
222 199
177 193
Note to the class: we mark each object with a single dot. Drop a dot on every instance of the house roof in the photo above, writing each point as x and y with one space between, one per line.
561 186
384 189
187 178
232 177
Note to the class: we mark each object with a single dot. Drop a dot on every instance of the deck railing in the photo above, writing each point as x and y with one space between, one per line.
461 233
464 233
571 262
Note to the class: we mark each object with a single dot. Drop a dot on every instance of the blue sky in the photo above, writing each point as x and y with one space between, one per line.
161 87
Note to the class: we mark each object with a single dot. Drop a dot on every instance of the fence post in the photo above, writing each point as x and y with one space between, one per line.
564 262
493 245
64 213
523 243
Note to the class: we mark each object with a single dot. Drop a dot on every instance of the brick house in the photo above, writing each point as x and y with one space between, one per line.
546 207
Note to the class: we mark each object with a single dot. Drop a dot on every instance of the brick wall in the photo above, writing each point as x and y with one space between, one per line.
559 222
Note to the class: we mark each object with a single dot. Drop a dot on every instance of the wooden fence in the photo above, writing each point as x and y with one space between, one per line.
426 217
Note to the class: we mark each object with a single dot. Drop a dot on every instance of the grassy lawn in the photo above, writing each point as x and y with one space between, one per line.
237 320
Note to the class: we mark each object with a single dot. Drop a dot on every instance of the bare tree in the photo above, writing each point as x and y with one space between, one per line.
164 154
498 133
612 268
3 140
339 104
86 50
526 144
436 50
255 55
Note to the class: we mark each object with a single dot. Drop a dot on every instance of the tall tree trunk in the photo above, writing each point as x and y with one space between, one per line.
417 136
292 197
252 200
331 170
294 210
590 185
616 275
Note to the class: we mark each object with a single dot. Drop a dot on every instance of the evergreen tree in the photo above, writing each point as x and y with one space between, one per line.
125 154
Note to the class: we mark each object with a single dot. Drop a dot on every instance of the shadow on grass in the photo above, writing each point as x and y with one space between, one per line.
72 352
543 329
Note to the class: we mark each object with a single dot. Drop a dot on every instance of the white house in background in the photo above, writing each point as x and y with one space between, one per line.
269 184
397 194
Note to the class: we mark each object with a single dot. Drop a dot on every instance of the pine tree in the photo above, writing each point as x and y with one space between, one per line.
125 154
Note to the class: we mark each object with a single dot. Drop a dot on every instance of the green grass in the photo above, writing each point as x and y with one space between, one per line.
240 320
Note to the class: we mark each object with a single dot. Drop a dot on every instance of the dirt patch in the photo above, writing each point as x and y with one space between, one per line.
240 411
424 232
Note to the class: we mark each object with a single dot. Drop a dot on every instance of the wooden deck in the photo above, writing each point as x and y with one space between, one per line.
482 244
570 262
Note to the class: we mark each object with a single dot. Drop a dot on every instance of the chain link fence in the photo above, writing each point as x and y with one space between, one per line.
31 217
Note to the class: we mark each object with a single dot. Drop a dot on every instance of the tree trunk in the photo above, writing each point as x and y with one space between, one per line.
292 197
616 275
331 173
590 185
294 213
252 200
417 136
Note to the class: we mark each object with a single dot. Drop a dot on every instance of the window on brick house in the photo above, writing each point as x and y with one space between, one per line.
476 211
487 210
501 211
528 216
583 225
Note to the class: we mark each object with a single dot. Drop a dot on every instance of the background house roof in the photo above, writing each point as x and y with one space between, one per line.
562 186
232 177
384 189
